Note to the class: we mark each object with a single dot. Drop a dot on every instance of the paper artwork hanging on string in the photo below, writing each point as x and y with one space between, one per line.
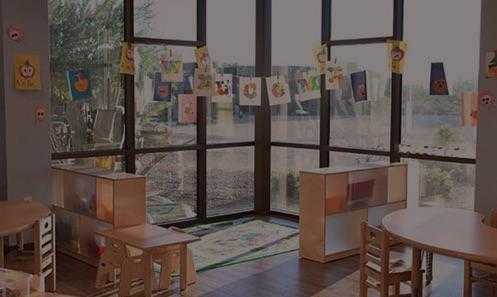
491 64
469 109
15 32
308 86
162 89
203 59
187 109
278 90
250 91
334 76
223 88
27 72
359 86
202 84
438 80
127 59
320 57
79 84
172 66
397 51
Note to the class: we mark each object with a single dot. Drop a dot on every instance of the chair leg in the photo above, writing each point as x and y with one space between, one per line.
191 273
165 271
397 289
363 289
125 281
103 272
468 283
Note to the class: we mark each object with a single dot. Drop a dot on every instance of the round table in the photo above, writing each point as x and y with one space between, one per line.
450 232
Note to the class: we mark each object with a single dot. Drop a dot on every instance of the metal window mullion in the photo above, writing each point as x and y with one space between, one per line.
325 102
129 94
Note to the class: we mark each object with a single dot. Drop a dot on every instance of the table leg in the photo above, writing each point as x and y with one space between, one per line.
147 281
2 256
183 266
416 277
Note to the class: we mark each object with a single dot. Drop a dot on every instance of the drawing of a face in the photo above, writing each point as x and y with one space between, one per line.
361 91
27 71
250 90
278 89
15 33
321 56
81 83
222 88
440 86
163 91
397 54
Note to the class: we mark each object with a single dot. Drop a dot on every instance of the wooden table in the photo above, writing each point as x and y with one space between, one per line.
450 232
153 241
17 216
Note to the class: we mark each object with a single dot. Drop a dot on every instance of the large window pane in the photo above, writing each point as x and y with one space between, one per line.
361 19
296 30
171 185
100 164
231 43
286 164
85 43
166 19
346 159
433 183
230 180
433 124
158 121
364 124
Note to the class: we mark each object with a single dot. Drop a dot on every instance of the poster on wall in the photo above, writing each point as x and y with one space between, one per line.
127 59
79 84
320 57
187 109
203 59
172 66
162 89
397 51
223 88
469 109
308 86
27 72
250 91
334 76
438 80
491 64
359 86
202 84
278 90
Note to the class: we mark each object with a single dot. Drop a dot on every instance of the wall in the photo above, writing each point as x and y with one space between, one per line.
26 151
486 150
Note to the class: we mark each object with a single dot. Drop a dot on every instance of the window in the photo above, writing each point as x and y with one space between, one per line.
347 159
296 31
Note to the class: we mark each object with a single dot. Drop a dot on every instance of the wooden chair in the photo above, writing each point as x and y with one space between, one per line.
44 254
376 269
484 272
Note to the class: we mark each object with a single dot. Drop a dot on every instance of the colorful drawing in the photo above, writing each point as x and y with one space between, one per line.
27 72
16 33
203 59
79 84
203 84
438 81
320 57
397 50
469 109
187 109
491 71
308 86
359 86
172 67
278 90
162 89
334 76
127 59
250 91
487 99
223 88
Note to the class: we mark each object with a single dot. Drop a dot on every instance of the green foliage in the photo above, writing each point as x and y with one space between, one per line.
438 182
446 136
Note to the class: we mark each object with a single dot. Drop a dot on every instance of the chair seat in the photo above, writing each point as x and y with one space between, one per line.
396 267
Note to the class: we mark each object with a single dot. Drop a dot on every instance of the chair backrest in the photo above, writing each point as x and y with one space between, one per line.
375 252
492 219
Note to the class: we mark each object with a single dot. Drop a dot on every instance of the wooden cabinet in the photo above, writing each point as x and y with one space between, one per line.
334 201
87 200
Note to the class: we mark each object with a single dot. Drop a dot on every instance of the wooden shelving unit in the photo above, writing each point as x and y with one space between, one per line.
334 201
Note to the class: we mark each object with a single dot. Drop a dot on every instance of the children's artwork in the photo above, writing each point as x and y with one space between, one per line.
162 89
172 67
309 86
320 57
438 81
203 59
127 59
469 109
359 86
334 76
15 32
202 83
250 91
223 88
27 72
187 109
278 90
486 99
397 51
491 64
79 84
